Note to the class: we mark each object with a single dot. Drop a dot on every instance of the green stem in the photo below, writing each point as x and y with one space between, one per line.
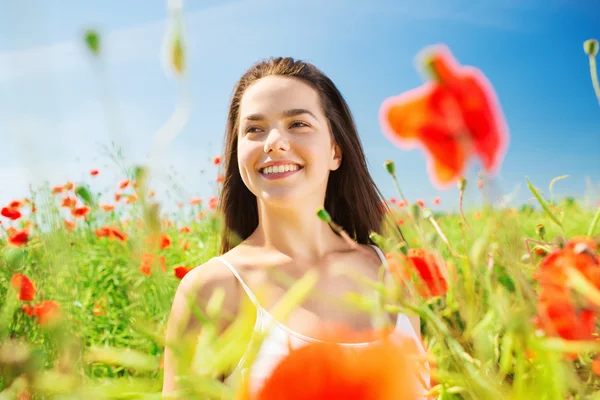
594 76
398 188
444 238
460 206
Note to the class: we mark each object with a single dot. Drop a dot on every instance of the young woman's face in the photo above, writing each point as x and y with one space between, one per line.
285 146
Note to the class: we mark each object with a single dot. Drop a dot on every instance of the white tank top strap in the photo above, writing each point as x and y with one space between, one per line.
241 281
380 254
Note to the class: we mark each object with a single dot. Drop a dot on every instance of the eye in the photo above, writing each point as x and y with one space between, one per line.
299 124
252 129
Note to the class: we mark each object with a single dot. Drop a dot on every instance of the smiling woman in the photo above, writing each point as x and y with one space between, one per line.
291 147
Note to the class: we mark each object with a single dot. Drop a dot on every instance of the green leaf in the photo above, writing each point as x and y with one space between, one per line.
85 195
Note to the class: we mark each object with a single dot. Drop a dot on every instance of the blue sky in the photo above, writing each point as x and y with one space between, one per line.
57 105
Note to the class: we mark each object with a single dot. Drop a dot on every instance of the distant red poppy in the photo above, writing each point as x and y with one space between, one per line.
436 201
165 241
195 201
18 238
69 186
107 207
24 286
111 233
182 271
10 213
94 172
80 212
70 225
69 202
217 160
454 117
213 203
16 204
47 311
124 183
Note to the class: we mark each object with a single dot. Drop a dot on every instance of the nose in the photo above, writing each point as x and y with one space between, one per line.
276 141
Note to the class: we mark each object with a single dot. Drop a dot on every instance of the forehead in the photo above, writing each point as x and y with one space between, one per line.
273 94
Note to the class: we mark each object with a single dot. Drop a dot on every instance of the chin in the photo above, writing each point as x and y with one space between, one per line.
280 197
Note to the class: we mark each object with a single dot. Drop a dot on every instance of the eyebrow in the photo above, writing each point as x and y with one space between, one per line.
286 114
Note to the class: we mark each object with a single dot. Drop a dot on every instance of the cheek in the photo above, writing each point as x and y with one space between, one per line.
248 155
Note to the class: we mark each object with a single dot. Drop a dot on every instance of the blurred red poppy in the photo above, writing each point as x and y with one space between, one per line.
454 117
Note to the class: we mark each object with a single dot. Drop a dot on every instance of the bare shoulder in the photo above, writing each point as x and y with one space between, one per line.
195 290
367 261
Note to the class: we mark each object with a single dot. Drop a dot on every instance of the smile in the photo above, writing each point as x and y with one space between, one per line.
279 171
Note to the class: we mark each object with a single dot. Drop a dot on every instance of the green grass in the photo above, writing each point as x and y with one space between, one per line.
488 308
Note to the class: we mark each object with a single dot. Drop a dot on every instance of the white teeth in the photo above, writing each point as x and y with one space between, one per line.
278 169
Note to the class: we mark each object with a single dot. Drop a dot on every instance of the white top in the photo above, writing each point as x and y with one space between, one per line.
279 337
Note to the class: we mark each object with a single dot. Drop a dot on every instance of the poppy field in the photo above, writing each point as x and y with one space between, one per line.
508 298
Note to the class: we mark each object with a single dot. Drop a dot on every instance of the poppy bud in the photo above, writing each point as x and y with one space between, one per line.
427 213
462 184
540 230
390 167
323 215
92 41
590 47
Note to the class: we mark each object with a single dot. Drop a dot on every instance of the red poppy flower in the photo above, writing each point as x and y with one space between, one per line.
182 271
560 313
454 117
165 241
384 370
111 233
107 207
184 229
80 212
94 172
11 213
213 203
124 183
57 189
430 280
18 238
47 311
436 201
24 286
148 260
195 201
27 309
69 202
69 186
16 204
70 225
217 160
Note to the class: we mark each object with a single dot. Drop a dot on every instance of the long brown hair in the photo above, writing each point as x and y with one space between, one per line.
352 198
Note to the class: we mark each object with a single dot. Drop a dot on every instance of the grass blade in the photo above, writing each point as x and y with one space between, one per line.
543 203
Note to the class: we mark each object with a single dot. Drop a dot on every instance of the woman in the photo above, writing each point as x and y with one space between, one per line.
291 147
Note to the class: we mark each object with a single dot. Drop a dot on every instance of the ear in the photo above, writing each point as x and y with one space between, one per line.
336 159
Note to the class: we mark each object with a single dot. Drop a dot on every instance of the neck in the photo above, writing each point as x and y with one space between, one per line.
296 232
